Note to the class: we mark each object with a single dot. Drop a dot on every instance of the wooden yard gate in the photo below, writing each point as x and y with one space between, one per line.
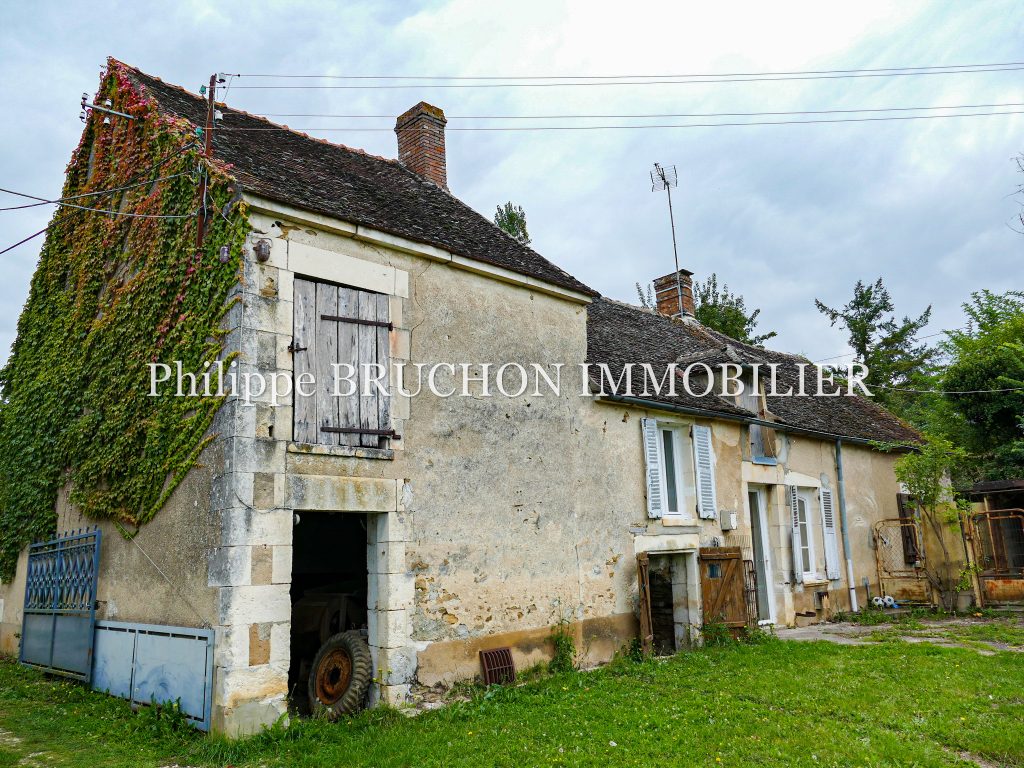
722 587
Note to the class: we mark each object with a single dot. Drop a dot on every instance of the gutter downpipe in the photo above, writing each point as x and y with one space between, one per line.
842 525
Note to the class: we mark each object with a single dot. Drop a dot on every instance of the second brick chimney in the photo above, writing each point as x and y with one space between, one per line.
420 134
666 293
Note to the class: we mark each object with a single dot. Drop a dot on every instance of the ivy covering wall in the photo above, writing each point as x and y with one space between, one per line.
111 294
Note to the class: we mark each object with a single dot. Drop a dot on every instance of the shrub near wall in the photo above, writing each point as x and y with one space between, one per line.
112 293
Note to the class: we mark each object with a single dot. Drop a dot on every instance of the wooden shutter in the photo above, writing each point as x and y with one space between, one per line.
304 361
798 559
644 588
704 471
828 522
649 428
335 325
768 437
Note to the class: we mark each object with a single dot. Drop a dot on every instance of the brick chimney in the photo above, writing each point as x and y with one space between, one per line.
666 293
420 134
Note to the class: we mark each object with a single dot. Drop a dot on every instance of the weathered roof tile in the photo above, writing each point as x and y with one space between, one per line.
619 333
316 175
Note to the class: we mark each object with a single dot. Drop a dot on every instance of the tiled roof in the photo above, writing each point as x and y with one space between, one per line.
619 333
348 184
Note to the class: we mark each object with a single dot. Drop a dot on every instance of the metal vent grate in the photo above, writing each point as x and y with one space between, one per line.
498 667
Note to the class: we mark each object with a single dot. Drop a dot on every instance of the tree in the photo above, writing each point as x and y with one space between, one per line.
512 219
984 382
887 346
646 299
926 473
726 312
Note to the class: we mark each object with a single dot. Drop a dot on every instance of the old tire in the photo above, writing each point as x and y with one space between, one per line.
340 676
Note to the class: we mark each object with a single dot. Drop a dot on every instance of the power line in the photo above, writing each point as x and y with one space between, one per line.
661 115
22 242
621 77
59 200
356 129
852 354
100 210
691 80
949 392
151 169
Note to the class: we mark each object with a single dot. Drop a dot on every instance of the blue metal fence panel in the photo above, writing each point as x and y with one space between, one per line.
147 663
60 604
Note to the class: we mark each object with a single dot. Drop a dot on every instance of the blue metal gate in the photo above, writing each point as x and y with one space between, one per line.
57 631
156 664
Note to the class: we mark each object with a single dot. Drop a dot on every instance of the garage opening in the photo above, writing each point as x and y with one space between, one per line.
330 668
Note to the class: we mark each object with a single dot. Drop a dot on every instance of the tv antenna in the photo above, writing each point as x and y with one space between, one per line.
664 178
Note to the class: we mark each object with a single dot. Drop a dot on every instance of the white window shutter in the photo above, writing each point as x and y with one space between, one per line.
704 466
798 559
649 428
828 522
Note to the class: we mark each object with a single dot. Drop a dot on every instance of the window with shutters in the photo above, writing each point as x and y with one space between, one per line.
815 543
341 344
675 462
806 535
671 485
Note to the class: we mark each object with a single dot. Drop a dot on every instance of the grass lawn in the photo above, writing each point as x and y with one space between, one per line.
1004 632
770 704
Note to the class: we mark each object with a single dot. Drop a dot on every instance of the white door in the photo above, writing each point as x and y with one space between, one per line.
762 553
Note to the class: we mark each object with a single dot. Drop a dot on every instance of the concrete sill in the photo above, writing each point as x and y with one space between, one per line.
766 461
680 529
815 582
350 451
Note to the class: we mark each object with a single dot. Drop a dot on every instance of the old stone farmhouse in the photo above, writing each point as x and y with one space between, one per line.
443 526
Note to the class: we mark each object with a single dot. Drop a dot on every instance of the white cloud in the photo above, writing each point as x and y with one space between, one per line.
783 214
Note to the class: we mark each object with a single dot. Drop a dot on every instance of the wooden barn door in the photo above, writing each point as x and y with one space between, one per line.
721 584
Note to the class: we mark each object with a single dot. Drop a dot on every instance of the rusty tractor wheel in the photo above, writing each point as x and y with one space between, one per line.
340 676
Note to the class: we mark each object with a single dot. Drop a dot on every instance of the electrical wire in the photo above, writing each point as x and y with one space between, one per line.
355 129
152 168
650 116
84 194
591 83
853 354
102 210
949 392
22 242
620 77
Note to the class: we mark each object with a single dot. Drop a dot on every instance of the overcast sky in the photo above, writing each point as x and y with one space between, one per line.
783 214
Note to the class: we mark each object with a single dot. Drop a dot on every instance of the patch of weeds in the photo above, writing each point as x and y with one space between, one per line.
888 635
867 616
465 689
1003 631
162 719
634 650
626 659
717 635
531 673
759 635
564 659
989 613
